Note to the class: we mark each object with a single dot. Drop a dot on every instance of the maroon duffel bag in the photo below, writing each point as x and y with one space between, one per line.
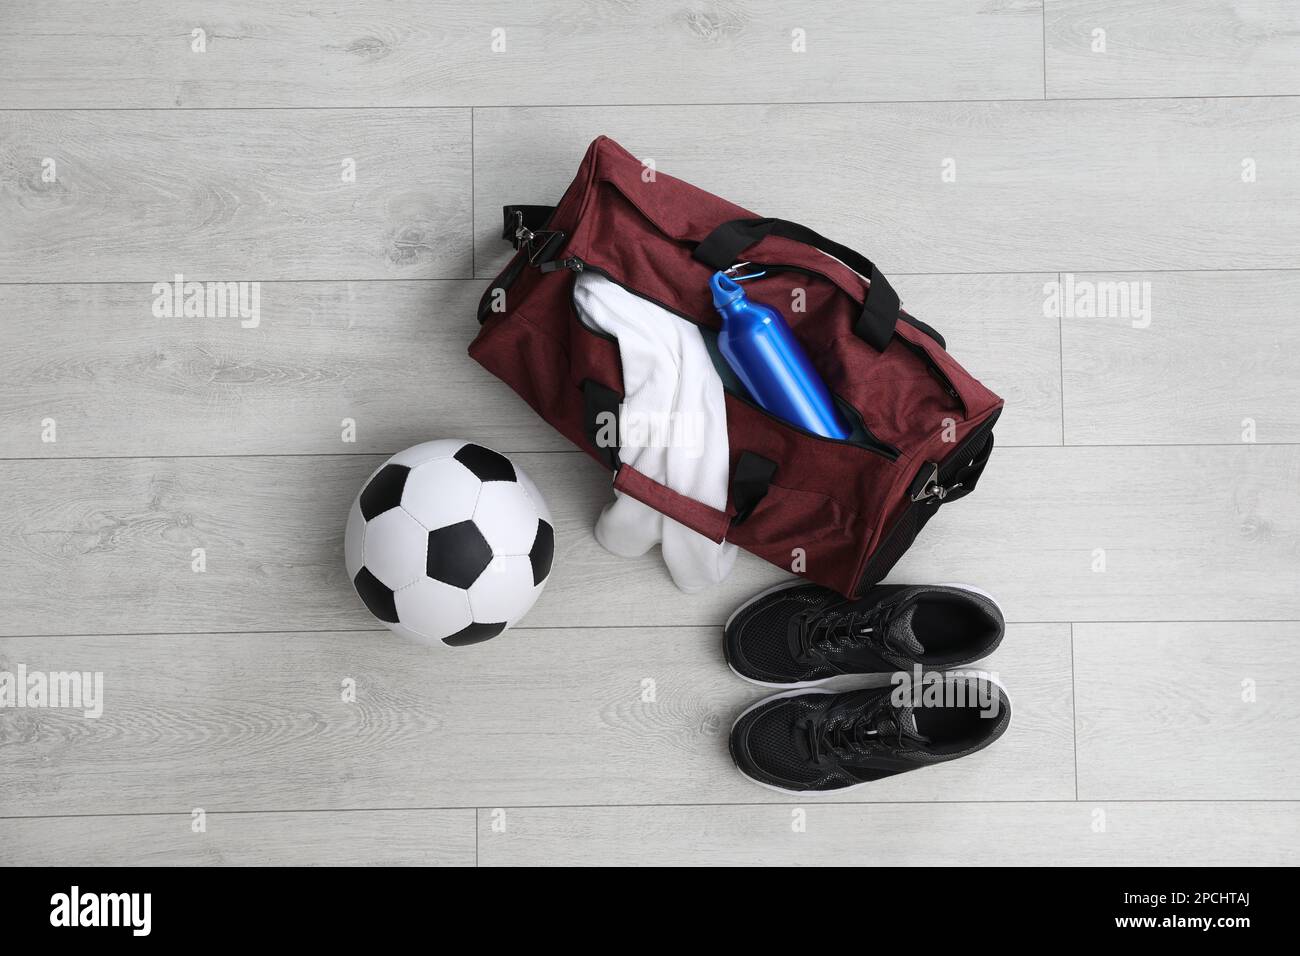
838 512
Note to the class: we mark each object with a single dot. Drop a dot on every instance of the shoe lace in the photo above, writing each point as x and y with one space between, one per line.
831 630
849 736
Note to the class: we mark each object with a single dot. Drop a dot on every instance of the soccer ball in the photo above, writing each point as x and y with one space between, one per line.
449 541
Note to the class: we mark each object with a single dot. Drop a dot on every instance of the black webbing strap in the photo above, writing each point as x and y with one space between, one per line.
599 402
529 218
524 228
925 327
749 483
722 248
963 481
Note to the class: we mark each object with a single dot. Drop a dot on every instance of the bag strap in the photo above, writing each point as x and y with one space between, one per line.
749 482
704 519
722 248
749 485
935 489
524 227
529 219
599 407
964 481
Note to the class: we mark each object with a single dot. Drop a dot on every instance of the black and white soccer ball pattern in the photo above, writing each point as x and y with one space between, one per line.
449 541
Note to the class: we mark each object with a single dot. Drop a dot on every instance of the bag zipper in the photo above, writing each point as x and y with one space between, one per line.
935 371
575 264
873 445
931 491
934 486
525 254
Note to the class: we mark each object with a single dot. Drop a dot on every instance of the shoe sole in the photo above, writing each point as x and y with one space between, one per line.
805 684
855 786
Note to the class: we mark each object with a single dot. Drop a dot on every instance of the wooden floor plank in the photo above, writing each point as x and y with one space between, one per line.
1125 534
388 356
380 363
558 716
1039 186
1057 534
1143 487
447 53
1188 710
371 838
954 834
239 195
994 325
1211 361
1180 48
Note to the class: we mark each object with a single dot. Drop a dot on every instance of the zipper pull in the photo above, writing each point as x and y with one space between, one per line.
573 263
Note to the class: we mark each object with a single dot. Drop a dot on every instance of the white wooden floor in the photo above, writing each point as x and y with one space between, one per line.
1156 707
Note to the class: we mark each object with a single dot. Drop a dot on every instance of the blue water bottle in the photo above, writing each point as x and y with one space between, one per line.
763 352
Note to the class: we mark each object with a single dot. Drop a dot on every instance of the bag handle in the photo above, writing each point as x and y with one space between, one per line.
749 485
711 522
749 482
722 248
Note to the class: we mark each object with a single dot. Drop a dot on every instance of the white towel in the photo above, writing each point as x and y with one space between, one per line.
673 395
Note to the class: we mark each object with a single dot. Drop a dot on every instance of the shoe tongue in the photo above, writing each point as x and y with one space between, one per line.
900 632
904 717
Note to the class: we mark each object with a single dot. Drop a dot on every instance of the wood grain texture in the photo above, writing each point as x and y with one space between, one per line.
234 195
105 546
1040 187
1166 710
367 838
390 356
994 325
557 716
446 53
1125 534
1173 48
951 834
1219 350
224 689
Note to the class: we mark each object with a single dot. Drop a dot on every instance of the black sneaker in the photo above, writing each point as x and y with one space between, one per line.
817 741
801 635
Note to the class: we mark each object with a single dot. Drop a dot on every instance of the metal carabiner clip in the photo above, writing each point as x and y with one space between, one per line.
931 487
730 273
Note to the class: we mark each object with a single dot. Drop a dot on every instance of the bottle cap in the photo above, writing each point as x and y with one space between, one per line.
726 290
